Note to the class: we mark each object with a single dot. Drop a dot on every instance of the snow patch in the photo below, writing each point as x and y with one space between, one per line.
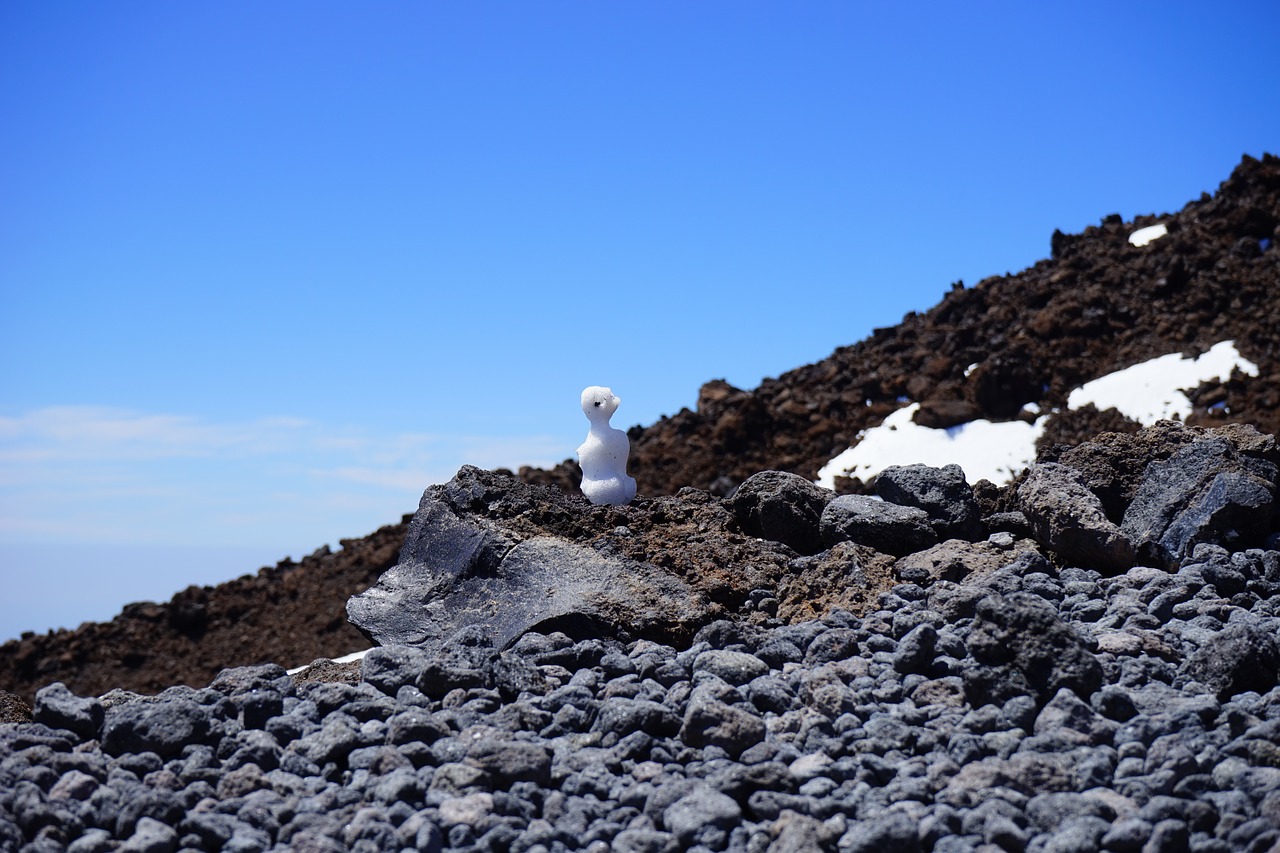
985 450
1150 391
354 656
1150 234
1146 392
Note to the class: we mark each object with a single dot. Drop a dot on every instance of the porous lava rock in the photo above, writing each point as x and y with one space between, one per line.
943 493
783 507
1069 519
1021 647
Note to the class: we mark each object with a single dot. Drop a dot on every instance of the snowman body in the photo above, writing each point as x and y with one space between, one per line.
603 456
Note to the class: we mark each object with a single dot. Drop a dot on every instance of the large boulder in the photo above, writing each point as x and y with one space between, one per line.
943 493
782 507
1069 519
1207 492
488 553
446 583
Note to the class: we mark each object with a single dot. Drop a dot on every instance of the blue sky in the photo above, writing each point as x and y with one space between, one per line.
268 270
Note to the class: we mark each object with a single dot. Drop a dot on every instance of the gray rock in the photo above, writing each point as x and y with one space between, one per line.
1022 647
893 830
1168 836
943 493
886 527
389 668
151 836
160 727
703 816
1127 835
1243 656
59 708
708 721
916 650
1204 493
454 574
622 716
511 761
644 841
1067 711
1069 520
782 507
732 667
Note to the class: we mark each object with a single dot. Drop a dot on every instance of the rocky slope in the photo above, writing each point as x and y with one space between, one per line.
1085 659
1097 304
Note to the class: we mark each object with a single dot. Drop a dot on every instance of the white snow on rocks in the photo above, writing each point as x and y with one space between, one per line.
354 656
1149 391
985 450
1146 392
1150 234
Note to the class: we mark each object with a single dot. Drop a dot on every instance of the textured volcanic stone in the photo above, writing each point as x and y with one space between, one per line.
160 727
458 571
1204 493
1069 519
1243 656
782 507
886 527
13 709
1022 647
58 708
941 492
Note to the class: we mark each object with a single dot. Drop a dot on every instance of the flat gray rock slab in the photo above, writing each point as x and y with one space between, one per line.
455 574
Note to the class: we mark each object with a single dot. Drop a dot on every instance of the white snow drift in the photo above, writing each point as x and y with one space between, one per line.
1150 234
1146 392
985 450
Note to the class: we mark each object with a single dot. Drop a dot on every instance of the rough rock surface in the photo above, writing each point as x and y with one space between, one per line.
1070 520
1205 492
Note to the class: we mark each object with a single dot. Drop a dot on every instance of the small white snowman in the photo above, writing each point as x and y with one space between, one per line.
603 456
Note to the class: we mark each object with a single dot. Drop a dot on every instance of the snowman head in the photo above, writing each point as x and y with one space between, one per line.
599 403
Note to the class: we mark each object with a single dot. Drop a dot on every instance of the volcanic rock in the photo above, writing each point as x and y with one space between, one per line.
886 527
1069 520
1021 647
943 493
1207 492
783 507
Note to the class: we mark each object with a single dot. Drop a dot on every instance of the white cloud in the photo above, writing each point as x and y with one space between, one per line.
88 472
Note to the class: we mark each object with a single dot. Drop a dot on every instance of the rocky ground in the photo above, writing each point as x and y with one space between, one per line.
1086 659
1083 659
